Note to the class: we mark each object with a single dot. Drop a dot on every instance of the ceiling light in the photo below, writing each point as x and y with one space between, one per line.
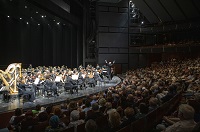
25 6
20 18
36 12
8 16
42 16
58 23
27 23
38 24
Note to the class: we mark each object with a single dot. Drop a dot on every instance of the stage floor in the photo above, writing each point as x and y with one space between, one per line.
18 103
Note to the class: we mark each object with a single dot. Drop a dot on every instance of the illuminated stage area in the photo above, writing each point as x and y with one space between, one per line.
16 102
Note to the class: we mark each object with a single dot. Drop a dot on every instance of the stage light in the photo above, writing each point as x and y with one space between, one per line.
45 16
58 23
8 16
27 23
54 20
42 16
20 18
25 7
64 24
130 1
36 12
38 24
142 22
31 17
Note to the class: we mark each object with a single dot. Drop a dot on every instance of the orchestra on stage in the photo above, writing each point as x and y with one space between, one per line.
47 81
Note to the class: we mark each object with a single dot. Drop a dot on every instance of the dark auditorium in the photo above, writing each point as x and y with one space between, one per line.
100 66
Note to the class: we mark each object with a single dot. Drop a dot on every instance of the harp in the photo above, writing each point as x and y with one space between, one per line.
10 76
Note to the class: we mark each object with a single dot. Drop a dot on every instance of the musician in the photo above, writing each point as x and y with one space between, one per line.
26 91
109 67
49 85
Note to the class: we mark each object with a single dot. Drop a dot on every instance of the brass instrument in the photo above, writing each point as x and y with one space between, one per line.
11 75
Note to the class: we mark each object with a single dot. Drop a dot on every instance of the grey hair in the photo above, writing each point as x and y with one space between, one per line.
187 111
74 115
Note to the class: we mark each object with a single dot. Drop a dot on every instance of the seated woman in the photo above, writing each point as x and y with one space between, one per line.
55 125
74 119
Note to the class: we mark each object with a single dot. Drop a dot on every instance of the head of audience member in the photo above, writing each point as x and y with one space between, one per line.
108 105
114 119
49 109
43 116
18 112
129 112
74 115
143 108
95 107
57 111
102 102
90 126
38 107
29 115
72 106
54 121
153 102
186 112
197 97
87 104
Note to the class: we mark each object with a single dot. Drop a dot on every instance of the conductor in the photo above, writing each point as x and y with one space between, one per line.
109 66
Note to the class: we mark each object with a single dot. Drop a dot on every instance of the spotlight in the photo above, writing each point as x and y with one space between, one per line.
38 24
36 12
8 16
58 23
130 1
45 16
142 22
31 17
54 20
42 16
20 18
27 23
25 7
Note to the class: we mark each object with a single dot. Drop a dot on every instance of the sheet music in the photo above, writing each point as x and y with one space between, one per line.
75 77
36 81
58 78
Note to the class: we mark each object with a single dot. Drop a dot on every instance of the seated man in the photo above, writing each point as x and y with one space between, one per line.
186 123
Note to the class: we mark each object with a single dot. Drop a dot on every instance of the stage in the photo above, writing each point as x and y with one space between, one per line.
16 102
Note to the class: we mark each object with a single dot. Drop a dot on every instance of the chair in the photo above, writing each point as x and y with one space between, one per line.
65 120
81 128
139 125
70 87
40 127
82 115
102 121
125 129
71 129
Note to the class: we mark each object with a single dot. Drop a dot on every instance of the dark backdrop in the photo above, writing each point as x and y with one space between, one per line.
37 44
